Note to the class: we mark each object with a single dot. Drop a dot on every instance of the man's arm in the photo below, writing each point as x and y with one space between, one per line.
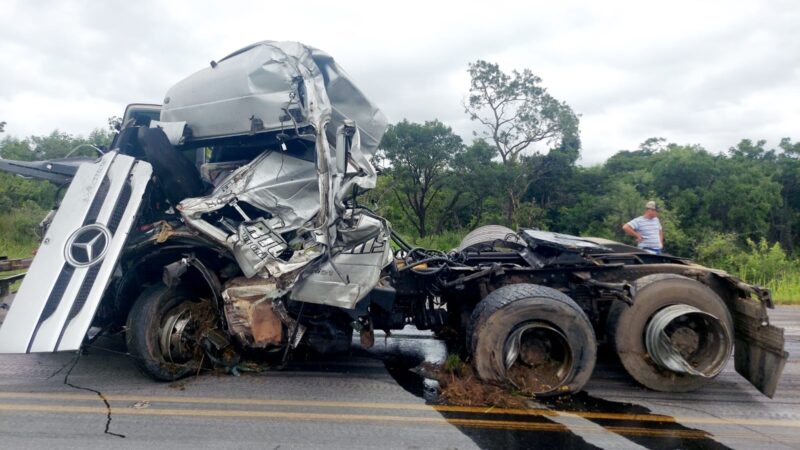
661 235
628 229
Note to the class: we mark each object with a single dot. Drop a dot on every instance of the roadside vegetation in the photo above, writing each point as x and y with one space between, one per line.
25 202
736 209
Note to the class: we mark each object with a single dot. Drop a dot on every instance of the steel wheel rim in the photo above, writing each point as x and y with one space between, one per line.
687 340
178 335
540 346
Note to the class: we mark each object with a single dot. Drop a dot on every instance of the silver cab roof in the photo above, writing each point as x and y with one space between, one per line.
265 87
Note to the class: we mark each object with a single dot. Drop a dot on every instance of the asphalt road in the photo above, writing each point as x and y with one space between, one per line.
372 400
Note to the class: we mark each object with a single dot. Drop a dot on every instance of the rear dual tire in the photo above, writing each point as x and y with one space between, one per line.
533 337
629 324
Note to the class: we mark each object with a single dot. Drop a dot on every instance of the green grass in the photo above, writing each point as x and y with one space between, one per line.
17 250
445 242
17 237
785 289
17 231
15 285
453 363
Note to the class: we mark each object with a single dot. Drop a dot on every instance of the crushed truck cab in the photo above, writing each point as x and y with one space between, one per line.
226 221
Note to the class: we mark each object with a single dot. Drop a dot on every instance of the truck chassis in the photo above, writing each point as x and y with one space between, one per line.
226 224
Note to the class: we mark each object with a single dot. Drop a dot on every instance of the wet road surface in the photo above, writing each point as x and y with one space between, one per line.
371 399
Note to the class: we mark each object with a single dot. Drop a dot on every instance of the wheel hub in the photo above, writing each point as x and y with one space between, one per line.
538 358
686 340
180 331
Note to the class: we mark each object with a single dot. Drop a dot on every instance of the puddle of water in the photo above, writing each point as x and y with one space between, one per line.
553 435
667 434
414 383
402 357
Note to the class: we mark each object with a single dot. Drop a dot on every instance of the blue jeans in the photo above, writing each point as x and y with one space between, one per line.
655 251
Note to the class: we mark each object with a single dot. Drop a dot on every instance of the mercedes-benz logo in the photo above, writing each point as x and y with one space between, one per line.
87 246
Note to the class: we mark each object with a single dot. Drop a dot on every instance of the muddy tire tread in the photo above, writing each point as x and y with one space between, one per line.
533 298
144 312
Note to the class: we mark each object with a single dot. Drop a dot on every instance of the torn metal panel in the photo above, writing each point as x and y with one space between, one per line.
361 251
282 185
215 173
284 86
285 188
260 248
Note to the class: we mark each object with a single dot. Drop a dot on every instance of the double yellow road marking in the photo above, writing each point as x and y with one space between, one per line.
341 414
327 417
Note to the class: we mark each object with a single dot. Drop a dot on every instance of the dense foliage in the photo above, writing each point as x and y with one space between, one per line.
748 193
25 202
738 210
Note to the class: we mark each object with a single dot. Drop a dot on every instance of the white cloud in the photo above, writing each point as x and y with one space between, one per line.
695 72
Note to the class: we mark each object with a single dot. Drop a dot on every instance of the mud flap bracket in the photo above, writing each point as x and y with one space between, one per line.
759 353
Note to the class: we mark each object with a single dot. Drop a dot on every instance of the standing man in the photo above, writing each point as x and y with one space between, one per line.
646 229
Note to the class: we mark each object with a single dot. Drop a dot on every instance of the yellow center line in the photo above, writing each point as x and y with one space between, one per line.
273 402
329 417
786 423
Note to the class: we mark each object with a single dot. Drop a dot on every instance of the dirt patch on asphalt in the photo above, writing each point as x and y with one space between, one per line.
459 385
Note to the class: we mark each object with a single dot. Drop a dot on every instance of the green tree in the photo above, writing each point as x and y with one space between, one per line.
516 112
421 159
786 171
114 124
477 173
14 148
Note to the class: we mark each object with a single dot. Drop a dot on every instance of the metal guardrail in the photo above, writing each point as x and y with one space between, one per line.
11 265
8 265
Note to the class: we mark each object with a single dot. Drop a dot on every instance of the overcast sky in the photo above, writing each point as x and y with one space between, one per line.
696 72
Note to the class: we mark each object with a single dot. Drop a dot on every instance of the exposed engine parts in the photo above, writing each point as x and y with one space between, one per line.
250 312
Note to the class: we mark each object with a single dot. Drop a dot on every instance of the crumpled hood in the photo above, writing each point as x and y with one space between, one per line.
299 235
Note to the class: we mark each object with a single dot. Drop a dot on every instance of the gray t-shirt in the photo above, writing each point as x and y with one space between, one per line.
649 229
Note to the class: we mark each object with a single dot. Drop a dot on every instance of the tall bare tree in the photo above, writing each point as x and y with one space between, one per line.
516 112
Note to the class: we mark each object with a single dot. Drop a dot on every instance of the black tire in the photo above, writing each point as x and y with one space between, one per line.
514 308
486 236
619 306
652 294
144 330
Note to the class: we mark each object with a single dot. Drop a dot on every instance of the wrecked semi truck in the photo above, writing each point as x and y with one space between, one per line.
225 223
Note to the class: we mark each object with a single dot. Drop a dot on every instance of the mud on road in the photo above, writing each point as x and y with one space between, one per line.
373 399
